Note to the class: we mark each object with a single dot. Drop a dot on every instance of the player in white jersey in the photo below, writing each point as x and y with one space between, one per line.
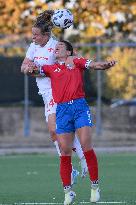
41 52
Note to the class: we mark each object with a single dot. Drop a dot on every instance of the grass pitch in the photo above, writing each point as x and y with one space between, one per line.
35 179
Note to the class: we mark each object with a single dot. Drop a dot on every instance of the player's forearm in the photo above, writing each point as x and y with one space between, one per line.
95 65
25 68
101 65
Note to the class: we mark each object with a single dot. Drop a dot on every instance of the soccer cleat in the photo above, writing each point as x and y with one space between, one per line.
84 168
69 197
74 176
95 194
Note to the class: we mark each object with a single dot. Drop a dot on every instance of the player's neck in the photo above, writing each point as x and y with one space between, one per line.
60 60
44 42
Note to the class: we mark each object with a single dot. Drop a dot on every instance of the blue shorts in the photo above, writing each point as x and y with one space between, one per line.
72 115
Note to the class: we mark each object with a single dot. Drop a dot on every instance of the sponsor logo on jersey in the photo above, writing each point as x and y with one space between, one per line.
40 58
57 70
50 49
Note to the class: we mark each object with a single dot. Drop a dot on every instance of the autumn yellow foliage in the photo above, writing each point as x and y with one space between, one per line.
121 79
92 17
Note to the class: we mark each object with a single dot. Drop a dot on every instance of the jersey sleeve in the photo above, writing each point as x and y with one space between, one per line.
30 52
82 63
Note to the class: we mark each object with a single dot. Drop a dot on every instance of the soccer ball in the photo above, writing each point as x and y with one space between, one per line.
62 18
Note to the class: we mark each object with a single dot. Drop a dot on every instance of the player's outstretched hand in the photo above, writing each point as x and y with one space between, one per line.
109 64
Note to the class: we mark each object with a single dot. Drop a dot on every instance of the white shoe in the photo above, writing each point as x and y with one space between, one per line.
74 176
84 168
69 197
95 194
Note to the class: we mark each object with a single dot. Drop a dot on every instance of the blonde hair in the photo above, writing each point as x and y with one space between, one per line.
43 21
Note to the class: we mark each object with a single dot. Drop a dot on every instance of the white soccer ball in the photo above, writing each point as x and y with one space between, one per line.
62 18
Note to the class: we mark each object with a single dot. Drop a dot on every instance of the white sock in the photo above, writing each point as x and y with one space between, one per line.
57 147
67 189
77 146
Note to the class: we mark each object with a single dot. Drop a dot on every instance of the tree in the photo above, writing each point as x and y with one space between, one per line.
121 80
17 16
103 18
92 18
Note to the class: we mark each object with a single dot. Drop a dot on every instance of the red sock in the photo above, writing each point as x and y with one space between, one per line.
92 164
65 170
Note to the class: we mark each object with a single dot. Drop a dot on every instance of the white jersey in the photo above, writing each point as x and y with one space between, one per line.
41 56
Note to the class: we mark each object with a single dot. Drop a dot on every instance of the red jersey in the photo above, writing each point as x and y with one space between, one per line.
67 82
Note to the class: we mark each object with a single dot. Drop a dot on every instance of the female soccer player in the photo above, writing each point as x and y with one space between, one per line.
41 52
73 113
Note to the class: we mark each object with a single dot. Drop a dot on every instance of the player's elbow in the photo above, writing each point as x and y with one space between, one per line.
23 69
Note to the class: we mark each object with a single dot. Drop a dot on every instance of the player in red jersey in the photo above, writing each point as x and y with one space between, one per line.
73 113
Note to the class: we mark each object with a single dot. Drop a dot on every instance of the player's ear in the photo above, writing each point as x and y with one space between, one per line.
75 52
69 53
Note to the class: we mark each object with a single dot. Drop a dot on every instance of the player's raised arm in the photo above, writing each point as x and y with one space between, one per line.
101 65
83 63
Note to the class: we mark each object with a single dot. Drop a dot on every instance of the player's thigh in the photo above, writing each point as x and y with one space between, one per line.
50 105
64 119
52 122
85 135
65 142
50 114
82 115
50 108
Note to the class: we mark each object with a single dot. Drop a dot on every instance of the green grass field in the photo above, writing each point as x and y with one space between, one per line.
35 179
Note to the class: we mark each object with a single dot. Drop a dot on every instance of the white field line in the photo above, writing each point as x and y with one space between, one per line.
57 203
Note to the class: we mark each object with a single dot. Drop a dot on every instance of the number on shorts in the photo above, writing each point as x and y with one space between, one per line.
51 103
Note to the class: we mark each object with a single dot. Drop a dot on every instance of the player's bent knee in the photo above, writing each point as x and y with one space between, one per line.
65 153
86 147
65 150
53 135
